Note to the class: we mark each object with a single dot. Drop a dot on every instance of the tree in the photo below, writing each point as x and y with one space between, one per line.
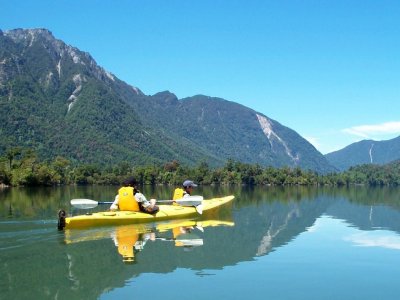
171 166
12 153
61 166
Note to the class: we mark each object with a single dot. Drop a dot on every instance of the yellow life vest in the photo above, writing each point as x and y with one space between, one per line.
126 199
126 242
178 194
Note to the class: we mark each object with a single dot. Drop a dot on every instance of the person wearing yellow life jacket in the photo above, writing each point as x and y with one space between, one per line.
129 198
186 191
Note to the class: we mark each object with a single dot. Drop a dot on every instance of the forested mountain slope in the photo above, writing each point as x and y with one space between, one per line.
56 100
365 152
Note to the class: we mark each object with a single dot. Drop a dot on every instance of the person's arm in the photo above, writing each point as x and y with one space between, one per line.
114 205
140 198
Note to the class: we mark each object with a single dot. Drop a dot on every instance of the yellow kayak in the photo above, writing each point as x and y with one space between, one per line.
166 212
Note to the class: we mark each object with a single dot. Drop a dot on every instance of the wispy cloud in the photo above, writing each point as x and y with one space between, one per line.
366 131
381 239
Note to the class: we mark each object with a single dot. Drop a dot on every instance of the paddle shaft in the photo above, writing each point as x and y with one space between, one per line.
160 201
157 201
189 201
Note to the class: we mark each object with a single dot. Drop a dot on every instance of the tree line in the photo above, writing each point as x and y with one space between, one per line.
23 168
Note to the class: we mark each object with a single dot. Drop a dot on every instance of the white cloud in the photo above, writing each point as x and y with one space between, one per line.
366 131
375 239
335 140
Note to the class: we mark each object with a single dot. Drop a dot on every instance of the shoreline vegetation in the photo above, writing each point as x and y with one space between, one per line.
24 168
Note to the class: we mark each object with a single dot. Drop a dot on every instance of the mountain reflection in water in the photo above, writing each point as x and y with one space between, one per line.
39 262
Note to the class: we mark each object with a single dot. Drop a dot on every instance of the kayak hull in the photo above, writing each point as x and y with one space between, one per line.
166 212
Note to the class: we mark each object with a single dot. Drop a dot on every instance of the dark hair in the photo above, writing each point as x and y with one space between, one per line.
129 182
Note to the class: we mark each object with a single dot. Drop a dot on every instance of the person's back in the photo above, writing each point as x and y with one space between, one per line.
130 199
126 199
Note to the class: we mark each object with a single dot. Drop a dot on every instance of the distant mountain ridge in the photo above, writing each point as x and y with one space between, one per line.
57 100
365 152
229 129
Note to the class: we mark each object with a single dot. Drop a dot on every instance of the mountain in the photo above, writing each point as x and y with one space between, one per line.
365 152
231 130
56 99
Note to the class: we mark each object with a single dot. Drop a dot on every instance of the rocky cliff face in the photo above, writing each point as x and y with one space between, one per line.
57 51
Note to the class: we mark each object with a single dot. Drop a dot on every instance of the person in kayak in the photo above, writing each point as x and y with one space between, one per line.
188 186
186 191
130 198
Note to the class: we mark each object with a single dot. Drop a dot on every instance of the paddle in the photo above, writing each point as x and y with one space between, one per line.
187 201
195 201
193 242
86 203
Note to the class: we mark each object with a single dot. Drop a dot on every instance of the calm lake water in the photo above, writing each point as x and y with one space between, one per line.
271 243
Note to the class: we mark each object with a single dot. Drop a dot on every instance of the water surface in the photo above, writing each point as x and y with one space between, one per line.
271 243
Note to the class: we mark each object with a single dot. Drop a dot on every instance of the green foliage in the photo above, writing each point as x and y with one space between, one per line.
375 175
28 169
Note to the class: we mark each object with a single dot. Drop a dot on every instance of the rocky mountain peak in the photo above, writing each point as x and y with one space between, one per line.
27 37
58 51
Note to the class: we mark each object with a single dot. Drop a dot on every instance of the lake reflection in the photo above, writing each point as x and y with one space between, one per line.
276 243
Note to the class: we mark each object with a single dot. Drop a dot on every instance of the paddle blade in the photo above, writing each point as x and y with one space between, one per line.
84 203
189 242
199 227
190 201
199 209
196 198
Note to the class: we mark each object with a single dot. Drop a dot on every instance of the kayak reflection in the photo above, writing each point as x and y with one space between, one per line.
132 239
185 232
183 236
129 241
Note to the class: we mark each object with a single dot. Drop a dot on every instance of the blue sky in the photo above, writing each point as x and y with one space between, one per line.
330 70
